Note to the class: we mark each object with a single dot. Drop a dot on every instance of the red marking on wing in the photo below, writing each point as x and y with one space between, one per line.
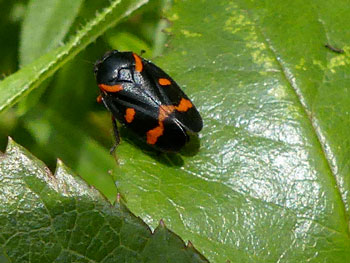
164 82
138 63
114 88
164 112
129 115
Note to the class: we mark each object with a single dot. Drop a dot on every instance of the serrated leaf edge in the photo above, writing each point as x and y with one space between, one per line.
57 182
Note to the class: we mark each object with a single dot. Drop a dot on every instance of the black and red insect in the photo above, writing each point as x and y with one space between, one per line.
146 100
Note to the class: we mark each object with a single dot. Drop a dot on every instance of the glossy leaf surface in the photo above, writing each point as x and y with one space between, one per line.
271 180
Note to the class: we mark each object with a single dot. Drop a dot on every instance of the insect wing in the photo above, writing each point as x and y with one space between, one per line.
169 93
143 119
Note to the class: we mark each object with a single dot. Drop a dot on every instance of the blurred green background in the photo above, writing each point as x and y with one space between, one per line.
43 124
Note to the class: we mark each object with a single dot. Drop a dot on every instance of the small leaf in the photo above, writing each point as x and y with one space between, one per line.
59 218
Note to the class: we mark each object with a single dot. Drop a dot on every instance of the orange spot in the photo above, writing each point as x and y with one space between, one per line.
129 115
114 88
138 63
152 135
164 112
164 82
99 99
184 105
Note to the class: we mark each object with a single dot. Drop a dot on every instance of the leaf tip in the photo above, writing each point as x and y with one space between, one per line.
191 247
10 143
189 244
13 147
117 200
161 223
59 163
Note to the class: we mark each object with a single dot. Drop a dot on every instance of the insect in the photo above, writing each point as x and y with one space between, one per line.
142 97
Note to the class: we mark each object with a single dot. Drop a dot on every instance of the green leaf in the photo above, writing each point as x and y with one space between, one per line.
43 31
29 77
93 161
271 181
59 218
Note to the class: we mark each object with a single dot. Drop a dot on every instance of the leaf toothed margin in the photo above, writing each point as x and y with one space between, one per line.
59 217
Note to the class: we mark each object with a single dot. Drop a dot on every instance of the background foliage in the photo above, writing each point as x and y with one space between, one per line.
270 182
